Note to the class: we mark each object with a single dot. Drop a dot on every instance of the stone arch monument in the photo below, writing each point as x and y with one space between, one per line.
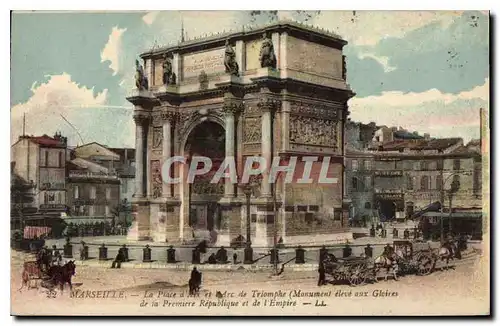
291 103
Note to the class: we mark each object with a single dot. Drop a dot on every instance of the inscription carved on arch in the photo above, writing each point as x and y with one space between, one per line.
314 110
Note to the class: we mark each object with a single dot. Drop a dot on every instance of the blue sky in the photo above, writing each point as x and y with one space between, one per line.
425 71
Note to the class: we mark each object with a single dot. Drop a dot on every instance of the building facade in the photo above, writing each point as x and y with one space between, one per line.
42 160
279 91
125 168
93 185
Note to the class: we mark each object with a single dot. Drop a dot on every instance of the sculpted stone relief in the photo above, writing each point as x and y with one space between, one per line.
313 131
156 181
157 137
252 130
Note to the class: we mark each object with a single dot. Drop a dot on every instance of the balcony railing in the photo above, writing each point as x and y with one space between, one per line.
53 206
92 175
389 173
388 191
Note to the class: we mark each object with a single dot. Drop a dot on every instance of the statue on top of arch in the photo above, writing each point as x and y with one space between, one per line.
267 56
230 60
141 81
169 77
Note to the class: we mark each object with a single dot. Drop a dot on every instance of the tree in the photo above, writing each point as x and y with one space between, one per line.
122 212
21 196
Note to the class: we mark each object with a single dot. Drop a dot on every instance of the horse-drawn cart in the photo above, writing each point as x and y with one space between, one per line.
355 270
31 274
414 257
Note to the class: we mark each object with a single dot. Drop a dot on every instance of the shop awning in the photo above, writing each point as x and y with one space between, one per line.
454 214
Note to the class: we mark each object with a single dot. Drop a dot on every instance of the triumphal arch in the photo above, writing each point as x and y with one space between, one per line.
276 91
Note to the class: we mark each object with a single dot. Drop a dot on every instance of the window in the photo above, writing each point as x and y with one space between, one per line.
46 158
59 198
75 192
254 218
309 218
368 182
424 165
301 208
354 183
409 182
416 165
439 182
368 205
354 165
289 208
270 219
107 213
456 181
108 193
424 183
439 164
60 159
91 211
337 213
456 164
476 182
92 192
313 208
368 165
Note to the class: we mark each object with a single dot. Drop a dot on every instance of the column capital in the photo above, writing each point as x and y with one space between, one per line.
141 118
232 108
169 116
269 104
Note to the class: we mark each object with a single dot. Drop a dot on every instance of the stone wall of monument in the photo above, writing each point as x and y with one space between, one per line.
252 50
313 58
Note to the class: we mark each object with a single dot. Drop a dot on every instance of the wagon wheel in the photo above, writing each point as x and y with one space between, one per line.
425 265
357 275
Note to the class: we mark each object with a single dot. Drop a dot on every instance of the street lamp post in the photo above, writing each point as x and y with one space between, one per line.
248 251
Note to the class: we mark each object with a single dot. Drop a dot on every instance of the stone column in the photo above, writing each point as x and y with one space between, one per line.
168 119
140 137
230 111
267 106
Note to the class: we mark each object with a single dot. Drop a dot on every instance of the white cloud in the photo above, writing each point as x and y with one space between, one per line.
150 17
111 50
384 61
369 27
441 114
49 100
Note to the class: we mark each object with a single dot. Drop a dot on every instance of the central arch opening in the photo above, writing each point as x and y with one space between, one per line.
206 139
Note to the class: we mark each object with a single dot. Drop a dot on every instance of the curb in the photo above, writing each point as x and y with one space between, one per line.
221 268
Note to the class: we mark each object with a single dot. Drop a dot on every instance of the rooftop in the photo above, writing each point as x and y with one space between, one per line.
46 140
417 144
251 30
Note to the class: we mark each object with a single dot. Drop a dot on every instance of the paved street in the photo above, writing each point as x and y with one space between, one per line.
461 290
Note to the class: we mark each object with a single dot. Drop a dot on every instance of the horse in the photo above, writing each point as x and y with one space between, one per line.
449 251
390 264
62 274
